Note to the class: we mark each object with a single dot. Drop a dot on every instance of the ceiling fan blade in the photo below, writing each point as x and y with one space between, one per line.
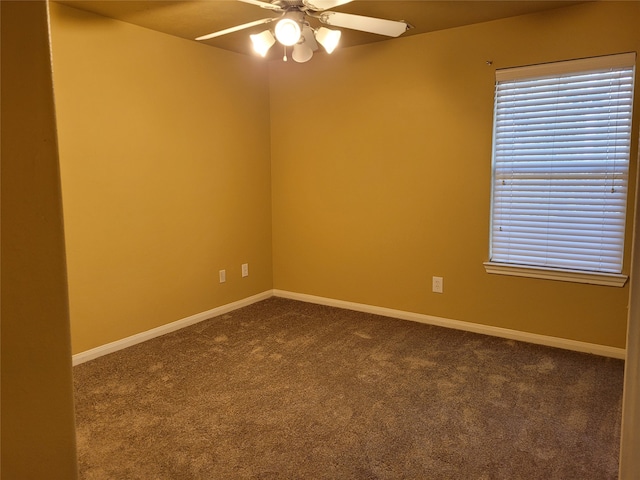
320 5
309 38
236 28
390 28
267 5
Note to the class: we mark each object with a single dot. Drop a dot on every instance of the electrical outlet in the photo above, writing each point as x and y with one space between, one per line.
245 269
437 286
223 276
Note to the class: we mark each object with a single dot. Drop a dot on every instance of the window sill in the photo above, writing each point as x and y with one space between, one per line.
575 276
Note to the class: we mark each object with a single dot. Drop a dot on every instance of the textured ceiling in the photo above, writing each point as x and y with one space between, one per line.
190 19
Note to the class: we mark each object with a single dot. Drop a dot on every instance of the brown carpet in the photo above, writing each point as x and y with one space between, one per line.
289 390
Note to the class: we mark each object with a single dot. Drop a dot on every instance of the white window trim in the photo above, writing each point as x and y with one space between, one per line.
575 276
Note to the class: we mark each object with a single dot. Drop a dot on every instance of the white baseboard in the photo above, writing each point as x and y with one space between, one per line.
602 350
164 329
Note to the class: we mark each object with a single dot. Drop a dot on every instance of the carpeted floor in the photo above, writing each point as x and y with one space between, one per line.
289 390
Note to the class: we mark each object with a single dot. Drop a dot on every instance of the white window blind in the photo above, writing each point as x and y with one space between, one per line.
562 135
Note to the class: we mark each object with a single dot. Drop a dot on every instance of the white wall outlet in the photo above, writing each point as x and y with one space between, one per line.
245 269
437 285
223 276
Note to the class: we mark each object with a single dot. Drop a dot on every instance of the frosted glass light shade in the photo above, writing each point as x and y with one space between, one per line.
328 38
288 32
262 42
302 52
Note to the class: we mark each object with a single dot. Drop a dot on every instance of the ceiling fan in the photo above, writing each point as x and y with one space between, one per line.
293 30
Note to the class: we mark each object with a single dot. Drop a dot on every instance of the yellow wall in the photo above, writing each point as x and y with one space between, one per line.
38 438
164 147
381 173
375 160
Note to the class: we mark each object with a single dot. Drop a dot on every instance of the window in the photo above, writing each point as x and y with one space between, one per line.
561 147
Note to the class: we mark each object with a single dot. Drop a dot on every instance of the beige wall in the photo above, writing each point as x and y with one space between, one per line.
38 437
381 173
164 147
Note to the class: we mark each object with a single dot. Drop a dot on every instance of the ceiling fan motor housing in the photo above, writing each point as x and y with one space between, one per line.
286 4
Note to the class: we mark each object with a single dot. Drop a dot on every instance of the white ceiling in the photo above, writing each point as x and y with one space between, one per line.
190 19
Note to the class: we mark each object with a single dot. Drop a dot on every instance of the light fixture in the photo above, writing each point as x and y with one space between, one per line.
302 52
262 42
288 31
292 31
297 27
328 38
